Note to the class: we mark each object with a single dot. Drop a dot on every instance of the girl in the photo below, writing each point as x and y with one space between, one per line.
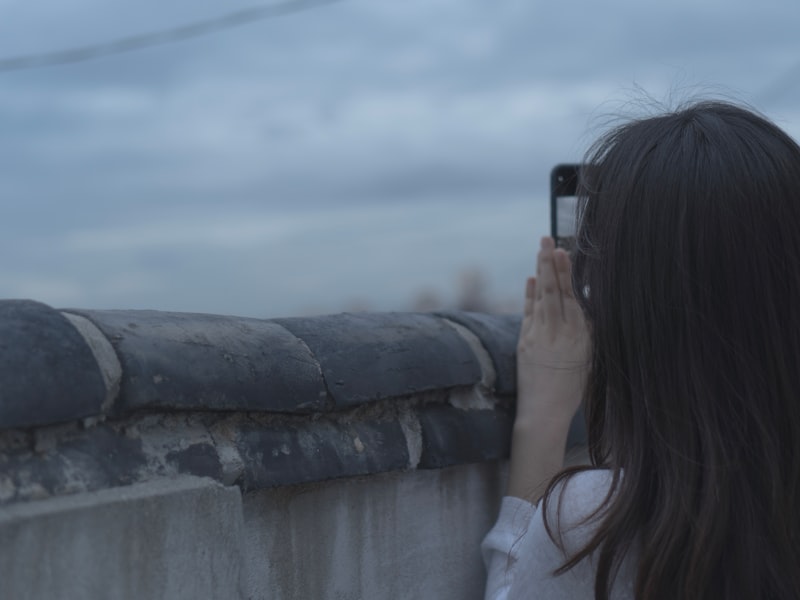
677 322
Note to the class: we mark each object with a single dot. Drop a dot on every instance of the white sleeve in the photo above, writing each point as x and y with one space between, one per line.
521 558
500 547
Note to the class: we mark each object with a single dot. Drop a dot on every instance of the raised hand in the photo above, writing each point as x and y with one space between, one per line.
552 363
553 346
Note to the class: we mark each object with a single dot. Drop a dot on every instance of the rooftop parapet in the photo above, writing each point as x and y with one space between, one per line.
92 399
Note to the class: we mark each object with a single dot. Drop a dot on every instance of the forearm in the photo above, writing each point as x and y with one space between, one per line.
537 454
552 361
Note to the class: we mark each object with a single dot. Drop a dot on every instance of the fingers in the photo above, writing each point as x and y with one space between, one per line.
554 332
548 298
545 275
571 309
530 296
554 294
563 268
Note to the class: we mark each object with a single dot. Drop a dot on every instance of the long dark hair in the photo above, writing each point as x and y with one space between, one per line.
688 266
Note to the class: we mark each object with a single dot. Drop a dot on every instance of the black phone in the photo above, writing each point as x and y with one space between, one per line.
564 204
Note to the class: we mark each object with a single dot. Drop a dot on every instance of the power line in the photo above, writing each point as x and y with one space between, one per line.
157 38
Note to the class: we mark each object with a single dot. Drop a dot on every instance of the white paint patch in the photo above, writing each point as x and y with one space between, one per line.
104 354
487 366
412 430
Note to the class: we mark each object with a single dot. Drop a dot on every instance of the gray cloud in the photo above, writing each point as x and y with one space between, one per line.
122 178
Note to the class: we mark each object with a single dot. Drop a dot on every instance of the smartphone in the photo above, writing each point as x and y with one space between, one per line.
564 204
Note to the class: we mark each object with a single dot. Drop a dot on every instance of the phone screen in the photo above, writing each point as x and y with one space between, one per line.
564 204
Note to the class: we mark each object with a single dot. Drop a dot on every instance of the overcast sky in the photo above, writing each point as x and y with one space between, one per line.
350 155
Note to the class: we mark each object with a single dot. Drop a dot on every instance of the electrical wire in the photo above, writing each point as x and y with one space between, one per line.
157 38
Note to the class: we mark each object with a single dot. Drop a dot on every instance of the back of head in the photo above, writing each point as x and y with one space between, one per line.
689 263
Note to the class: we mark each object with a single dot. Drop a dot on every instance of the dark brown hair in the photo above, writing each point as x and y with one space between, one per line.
688 267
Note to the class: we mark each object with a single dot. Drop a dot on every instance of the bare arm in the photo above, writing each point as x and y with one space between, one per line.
552 361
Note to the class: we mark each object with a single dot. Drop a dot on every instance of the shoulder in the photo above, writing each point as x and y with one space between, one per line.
575 505
570 513
582 491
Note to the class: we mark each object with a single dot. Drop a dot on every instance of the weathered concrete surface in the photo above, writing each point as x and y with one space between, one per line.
256 451
366 447
253 451
451 436
402 536
298 453
408 535
172 539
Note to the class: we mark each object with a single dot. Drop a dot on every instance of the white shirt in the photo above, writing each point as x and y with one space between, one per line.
520 557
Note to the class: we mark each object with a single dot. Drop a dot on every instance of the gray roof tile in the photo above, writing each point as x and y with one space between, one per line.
258 403
371 356
198 361
48 372
498 334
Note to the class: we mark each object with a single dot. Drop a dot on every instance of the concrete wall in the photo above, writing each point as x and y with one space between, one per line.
398 535
169 455
178 538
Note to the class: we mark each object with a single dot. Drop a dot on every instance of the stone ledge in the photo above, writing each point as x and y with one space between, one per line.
451 436
99 399
246 449
183 361
249 450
